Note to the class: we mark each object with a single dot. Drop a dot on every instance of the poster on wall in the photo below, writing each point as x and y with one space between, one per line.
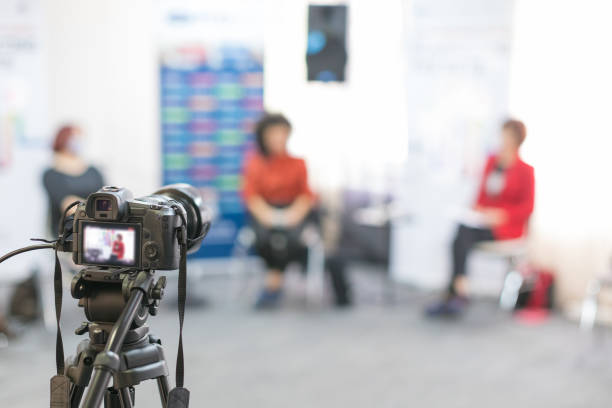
458 64
211 96
457 75
23 113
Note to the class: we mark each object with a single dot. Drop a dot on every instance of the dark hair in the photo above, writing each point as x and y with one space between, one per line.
266 121
517 128
62 137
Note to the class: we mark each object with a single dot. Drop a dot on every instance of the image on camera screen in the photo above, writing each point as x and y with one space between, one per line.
109 245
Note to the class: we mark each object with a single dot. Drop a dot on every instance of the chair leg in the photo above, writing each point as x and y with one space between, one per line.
511 288
389 289
240 269
315 275
588 315
43 284
244 277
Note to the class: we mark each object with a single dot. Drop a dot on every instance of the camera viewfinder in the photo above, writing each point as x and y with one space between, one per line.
103 204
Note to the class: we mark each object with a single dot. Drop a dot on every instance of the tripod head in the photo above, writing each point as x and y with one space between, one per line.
103 292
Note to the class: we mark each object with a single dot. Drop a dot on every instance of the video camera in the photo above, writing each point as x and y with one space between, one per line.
121 241
112 229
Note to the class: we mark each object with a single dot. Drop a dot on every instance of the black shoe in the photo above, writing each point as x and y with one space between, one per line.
451 307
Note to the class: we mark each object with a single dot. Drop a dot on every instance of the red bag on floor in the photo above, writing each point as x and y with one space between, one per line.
536 298
537 291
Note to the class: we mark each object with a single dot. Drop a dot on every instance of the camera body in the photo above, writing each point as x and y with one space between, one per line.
114 230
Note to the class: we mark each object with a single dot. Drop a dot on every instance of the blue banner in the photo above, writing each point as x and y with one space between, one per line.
211 97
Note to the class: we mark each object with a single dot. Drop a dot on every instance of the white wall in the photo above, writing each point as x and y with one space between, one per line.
352 133
561 87
103 74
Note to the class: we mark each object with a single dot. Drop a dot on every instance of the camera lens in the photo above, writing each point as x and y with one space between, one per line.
197 215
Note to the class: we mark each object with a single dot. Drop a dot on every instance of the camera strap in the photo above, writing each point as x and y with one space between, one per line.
59 344
60 384
179 396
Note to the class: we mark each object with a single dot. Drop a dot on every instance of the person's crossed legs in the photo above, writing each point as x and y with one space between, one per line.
456 297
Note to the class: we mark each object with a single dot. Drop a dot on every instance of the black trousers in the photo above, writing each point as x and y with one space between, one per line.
465 240
280 247
336 266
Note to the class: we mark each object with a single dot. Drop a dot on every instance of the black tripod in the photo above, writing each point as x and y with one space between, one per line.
117 303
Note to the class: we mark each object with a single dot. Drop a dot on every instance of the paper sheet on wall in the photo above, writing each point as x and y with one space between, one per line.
23 109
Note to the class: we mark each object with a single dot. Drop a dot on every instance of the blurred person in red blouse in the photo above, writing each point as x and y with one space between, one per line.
503 206
118 248
279 199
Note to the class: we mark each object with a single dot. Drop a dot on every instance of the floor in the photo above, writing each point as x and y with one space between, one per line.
373 355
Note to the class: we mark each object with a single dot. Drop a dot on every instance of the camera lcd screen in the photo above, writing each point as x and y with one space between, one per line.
110 244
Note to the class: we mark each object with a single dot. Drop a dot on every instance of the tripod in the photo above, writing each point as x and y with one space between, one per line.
117 303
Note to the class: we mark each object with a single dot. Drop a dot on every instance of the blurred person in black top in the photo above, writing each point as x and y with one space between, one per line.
70 178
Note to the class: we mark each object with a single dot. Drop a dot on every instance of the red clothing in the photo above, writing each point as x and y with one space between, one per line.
279 180
516 198
118 249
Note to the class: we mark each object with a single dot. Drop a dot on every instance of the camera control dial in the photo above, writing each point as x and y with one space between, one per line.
151 250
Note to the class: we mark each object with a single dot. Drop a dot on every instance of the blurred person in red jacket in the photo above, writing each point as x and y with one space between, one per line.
503 205
118 248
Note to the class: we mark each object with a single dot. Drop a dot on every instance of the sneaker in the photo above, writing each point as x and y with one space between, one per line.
268 299
451 307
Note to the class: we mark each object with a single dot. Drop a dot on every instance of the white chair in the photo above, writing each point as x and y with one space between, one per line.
240 262
512 251
590 304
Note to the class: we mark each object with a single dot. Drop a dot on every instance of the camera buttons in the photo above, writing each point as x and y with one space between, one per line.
151 250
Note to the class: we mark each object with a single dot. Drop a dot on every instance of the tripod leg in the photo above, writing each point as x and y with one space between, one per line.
125 396
111 398
79 372
76 393
107 361
162 385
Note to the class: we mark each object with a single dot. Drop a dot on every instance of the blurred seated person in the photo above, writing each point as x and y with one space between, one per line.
118 249
280 203
503 206
70 178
